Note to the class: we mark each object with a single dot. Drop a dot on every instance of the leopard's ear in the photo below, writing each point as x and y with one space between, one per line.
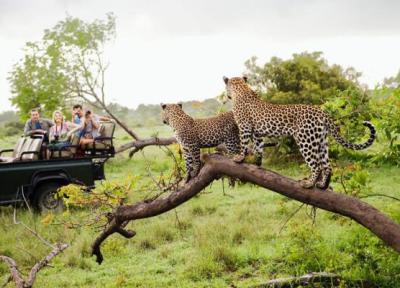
163 106
226 79
180 105
245 79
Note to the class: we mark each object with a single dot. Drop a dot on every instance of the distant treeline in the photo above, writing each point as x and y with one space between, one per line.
143 115
150 114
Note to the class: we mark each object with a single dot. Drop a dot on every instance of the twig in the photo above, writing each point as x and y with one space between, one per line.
379 195
342 181
30 230
290 217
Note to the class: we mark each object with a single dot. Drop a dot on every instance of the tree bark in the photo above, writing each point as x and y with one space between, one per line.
216 165
16 274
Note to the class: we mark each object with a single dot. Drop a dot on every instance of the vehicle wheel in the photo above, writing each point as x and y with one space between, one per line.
45 198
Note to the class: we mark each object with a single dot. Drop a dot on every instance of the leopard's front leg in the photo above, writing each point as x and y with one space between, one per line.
245 135
192 162
258 149
188 163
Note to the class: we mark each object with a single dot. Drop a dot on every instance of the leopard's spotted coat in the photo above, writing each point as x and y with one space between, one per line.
308 124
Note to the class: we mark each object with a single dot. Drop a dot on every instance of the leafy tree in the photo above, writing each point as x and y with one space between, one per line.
392 82
305 78
387 110
66 65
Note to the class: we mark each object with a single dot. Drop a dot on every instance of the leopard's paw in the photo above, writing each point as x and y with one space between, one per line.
306 183
238 158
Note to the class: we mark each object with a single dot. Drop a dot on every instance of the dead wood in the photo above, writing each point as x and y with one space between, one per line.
16 275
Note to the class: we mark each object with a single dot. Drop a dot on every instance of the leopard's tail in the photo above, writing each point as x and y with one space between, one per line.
335 132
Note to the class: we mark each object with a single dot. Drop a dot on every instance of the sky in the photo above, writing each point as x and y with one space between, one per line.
177 50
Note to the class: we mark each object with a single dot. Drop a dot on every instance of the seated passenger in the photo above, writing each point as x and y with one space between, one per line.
37 125
89 130
59 135
78 114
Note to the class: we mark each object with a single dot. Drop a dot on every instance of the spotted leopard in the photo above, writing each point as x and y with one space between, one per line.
307 124
193 134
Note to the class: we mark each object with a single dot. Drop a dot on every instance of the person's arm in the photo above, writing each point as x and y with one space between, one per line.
51 134
71 125
50 123
27 129
95 124
104 118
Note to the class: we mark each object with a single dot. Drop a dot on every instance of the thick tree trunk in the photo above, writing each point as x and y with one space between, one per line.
216 166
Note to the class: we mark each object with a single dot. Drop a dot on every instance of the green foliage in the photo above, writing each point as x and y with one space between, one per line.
54 67
213 240
350 108
354 180
108 193
306 78
387 107
12 128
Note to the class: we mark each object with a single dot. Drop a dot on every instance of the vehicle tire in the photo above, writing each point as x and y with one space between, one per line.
45 199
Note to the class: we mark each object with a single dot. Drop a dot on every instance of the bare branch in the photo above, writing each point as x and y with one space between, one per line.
30 229
141 143
58 248
16 275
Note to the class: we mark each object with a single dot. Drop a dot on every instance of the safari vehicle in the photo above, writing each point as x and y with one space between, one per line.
33 173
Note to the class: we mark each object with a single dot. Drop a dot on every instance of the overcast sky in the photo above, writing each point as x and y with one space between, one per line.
168 51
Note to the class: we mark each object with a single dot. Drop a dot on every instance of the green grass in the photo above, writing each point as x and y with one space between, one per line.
213 240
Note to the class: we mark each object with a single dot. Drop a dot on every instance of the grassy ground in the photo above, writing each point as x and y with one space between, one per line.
214 240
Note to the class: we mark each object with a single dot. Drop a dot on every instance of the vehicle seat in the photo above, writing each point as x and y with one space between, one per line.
25 144
31 145
16 151
105 140
67 152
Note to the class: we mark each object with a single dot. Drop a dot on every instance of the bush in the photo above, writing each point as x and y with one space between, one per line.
12 128
387 110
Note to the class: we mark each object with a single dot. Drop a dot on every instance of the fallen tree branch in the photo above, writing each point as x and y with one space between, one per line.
16 274
308 279
314 279
216 165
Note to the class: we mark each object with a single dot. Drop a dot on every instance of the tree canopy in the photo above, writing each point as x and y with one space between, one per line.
65 65
306 78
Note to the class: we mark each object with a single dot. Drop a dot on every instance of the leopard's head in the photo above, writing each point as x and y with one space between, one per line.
170 111
235 86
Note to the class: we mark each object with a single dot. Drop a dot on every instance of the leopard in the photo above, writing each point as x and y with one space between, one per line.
194 134
309 125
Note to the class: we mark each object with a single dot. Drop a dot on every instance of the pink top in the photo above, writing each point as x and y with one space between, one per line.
61 132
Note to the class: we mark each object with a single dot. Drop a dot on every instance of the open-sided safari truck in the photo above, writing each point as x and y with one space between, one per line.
31 172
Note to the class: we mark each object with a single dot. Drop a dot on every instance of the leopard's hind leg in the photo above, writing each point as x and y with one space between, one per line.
233 145
326 170
308 145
